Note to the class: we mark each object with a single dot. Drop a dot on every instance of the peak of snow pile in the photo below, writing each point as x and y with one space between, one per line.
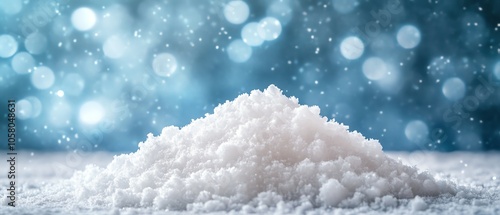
260 151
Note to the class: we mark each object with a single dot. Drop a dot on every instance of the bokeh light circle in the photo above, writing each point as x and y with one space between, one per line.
29 107
269 28
352 48
42 78
250 34
60 93
83 19
91 112
454 88
11 7
165 64
345 6
496 70
239 51
35 43
24 109
408 36
114 47
281 10
22 63
416 131
374 68
36 105
8 47
236 12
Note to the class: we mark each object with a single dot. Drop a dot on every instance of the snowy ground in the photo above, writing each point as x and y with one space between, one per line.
478 172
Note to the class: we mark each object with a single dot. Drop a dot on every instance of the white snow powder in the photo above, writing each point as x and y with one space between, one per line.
418 204
260 151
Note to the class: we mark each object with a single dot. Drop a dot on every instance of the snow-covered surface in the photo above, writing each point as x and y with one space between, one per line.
261 153
478 172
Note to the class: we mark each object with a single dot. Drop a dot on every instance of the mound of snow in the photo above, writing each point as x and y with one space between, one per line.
418 204
260 151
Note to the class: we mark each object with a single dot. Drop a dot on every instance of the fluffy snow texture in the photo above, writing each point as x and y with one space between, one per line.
260 151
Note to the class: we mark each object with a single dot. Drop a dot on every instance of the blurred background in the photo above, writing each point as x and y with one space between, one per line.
100 75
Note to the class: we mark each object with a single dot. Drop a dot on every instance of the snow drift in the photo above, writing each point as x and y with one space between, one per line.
260 151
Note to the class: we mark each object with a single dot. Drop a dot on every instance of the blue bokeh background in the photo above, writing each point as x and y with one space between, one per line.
433 87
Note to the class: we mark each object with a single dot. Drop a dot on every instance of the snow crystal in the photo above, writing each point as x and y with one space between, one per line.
263 150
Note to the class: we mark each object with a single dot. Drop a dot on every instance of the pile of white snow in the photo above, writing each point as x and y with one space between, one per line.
260 151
